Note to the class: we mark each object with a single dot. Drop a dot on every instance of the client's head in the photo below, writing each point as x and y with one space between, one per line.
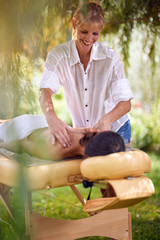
99 144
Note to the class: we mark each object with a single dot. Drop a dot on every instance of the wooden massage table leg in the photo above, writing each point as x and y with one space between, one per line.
78 195
109 223
130 226
115 224
28 212
83 201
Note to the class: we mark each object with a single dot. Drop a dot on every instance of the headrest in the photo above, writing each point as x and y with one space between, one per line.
116 165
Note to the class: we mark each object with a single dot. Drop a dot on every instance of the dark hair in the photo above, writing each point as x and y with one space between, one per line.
104 143
87 137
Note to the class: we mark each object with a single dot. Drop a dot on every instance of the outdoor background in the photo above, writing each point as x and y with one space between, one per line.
29 29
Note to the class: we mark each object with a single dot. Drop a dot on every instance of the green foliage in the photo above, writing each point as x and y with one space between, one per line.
17 90
146 215
143 74
146 129
122 17
28 29
14 228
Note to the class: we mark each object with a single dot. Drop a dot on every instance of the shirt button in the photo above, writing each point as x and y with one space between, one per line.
86 105
85 73
85 89
87 120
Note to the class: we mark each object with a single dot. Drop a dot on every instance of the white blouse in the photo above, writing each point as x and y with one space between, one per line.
92 93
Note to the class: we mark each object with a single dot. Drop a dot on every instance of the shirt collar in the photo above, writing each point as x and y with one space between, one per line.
74 57
96 53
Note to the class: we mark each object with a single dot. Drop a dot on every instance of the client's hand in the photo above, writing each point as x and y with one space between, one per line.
58 129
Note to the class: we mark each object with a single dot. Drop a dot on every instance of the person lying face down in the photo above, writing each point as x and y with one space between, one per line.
84 143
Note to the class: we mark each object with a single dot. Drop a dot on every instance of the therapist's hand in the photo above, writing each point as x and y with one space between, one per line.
59 130
102 125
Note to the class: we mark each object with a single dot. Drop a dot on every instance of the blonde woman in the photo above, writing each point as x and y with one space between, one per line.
95 86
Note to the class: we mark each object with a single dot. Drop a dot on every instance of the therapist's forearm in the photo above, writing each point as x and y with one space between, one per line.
120 110
104 124
47 104
57 128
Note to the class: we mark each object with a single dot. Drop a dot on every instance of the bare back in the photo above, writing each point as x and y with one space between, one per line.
41 137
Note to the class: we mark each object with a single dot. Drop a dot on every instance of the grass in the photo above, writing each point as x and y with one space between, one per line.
145 215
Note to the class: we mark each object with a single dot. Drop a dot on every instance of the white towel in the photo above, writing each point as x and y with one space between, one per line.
21 127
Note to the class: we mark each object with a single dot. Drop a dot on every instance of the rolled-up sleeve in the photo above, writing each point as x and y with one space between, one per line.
120 88
49 80
49 77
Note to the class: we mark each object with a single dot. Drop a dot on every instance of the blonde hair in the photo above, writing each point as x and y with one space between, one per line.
89 13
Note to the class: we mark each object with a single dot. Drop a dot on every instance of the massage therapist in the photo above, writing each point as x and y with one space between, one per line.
95 86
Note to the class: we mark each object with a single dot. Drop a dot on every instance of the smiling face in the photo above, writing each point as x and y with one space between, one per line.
88 21
86 35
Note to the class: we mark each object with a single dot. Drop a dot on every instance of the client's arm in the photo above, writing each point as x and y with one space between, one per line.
13 146
37 149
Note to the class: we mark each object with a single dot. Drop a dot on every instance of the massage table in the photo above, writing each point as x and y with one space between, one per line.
108 216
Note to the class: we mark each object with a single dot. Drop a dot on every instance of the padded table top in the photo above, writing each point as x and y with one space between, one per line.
43 173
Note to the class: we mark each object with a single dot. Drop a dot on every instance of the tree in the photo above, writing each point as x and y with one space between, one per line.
124 16
28 29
